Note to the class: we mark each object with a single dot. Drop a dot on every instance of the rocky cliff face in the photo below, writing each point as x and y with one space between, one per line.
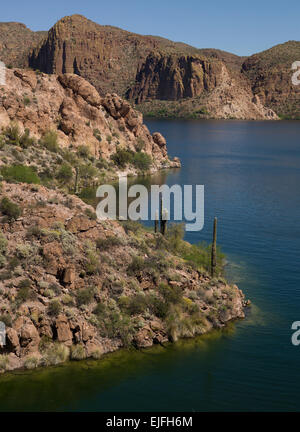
16 42
106 56
270 74
198 86
71 106
72 286
173 77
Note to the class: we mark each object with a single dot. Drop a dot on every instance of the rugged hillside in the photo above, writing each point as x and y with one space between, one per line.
146 68
271 78
16 42
67 105
153 71
108 57
74 286
197 87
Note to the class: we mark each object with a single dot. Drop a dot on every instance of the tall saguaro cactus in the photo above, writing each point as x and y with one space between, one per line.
76 180
214 250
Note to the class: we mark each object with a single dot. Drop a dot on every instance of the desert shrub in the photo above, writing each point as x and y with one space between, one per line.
157 306
136 266
91 214
122 157
54 308
108 138
3 261
84 296
175 236
96 354
78 352
26 101
83 151
65 172
102 164
171 294
97 134
130 225
91 264
87 172
67 300
140 144
20 173
4 361
108 242
33 231
31 362
137 304
49 141
6 319
23 251
12 134
142 161
25 293
11 210
55 354
25 140
200 256
3 244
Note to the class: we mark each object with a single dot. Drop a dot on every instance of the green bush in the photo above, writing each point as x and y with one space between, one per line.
84 296
4 361
83 151
78 352
108 242
65 172
122 157
55 354
3 244
26 101
140 144
137 304
171 294
175 236
20 173
25 141
54 308
10 209
136 266
142 161
6 319
25 292
97 134
49 141
13 134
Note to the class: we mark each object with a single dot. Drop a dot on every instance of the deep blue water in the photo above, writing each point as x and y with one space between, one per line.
251 174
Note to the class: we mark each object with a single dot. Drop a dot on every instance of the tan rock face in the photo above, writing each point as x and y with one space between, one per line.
72 106
64 333
174 77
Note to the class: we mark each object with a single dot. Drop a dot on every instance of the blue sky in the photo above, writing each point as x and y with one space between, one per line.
241 27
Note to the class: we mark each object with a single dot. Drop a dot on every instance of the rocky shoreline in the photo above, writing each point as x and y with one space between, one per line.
73 287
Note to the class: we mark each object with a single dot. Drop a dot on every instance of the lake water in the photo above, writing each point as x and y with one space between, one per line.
251 173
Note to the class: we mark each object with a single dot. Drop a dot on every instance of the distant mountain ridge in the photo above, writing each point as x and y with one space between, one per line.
163 78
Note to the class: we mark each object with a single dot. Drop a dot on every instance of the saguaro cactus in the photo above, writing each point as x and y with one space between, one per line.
164 221
161 214
76 180
214 250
